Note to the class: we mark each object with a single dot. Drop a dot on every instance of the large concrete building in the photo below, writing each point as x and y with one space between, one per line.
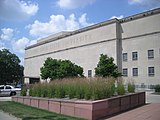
134 43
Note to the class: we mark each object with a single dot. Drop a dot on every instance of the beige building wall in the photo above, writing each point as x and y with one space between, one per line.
138 33
83 49
141 35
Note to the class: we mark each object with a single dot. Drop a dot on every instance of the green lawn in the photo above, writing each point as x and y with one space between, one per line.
30 113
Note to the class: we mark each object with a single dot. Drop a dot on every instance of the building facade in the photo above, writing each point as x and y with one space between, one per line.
133 42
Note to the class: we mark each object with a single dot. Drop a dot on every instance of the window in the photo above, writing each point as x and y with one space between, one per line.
135 71
134 56
150 54
125 72
150 71
8 87
2 87
124 56
89 73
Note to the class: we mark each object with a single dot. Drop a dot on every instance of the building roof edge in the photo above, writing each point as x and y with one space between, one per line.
140 15
115 20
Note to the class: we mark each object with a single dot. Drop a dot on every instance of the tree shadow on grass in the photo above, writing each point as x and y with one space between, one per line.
51 117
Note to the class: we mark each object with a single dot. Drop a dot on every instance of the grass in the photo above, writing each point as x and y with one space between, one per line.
30 113
80 88
131 87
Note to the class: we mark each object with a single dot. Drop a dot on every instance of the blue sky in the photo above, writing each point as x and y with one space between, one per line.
23 22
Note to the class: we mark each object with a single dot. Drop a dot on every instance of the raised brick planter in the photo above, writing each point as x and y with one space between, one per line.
90 110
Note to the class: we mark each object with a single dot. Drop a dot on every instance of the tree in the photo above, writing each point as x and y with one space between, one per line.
106 67
10 68
58 69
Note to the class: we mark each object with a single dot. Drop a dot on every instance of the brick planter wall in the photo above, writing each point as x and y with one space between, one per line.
90 110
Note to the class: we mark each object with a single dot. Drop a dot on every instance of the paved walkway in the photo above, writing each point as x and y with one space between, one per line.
5 98
152 98
146 112
6 116
151 111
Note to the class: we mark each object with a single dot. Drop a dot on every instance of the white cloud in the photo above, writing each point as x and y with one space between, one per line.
17 9
32 42
22 60
2 45
7 40
71 23
20 44
83 20
118 17
7 34
57 23
72 4
145 3
29 8
135 1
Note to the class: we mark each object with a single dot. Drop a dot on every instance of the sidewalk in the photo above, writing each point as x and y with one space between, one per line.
152 98
146 112
150 111
6 116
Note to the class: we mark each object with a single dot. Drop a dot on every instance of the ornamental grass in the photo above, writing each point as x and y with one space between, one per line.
78 88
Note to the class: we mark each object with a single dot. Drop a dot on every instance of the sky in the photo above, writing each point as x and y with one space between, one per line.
23 22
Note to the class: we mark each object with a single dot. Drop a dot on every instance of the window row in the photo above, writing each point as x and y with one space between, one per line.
151 71
135 55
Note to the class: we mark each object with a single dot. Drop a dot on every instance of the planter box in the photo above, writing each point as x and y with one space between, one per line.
34 102
54 106
26 101
90 110
44 104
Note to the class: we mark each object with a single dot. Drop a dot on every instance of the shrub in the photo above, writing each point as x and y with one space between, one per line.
31 92
23 91
120 88
131 87
157 88
88 93
59 69
51 91
44 90
106 67
80 90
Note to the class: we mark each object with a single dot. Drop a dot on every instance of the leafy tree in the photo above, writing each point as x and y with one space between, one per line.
10 68
106 67
58 69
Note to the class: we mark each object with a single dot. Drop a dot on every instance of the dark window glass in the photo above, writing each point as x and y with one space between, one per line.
125 72
89 73
134 56
2 87
124 56
150 54
8 87
151 71
135 71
